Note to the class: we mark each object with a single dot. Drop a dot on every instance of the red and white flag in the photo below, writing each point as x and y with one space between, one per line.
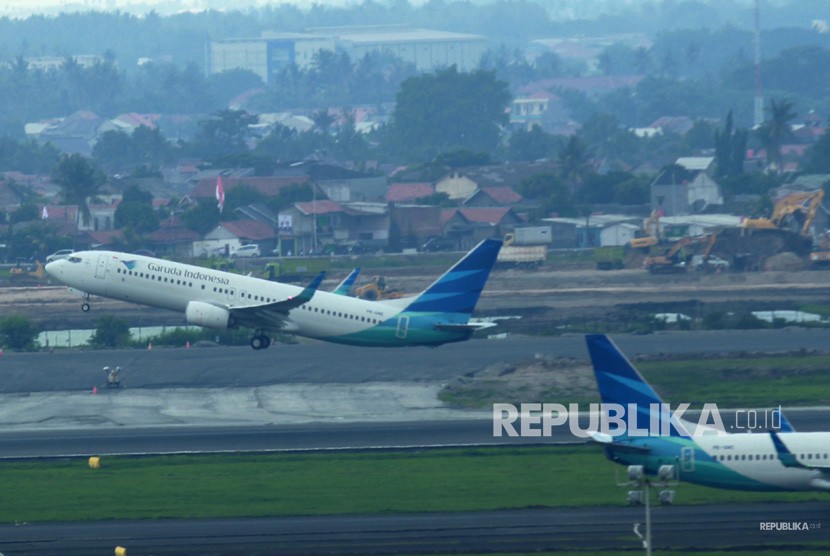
220 194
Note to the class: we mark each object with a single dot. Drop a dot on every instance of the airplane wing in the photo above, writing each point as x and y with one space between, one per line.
272 315
788 459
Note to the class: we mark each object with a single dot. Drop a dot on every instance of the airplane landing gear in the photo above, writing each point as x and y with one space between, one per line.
260 341
85 306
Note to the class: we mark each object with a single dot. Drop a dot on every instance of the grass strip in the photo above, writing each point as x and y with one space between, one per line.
742 381
324 483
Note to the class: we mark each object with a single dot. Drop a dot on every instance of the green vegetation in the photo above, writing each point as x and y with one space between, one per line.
742 381
17 332
328 483
754 382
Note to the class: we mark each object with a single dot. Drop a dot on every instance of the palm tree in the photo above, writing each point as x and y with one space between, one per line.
776 129
78 180
574 162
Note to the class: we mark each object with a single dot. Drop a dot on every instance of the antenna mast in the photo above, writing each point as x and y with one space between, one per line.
759 96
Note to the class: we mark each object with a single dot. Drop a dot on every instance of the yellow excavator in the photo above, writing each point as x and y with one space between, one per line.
671 261
20 273
377 289
806 203
649 235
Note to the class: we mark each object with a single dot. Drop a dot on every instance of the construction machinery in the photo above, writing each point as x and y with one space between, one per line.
673 260
526 247
377 289
793 213
25 273
649 235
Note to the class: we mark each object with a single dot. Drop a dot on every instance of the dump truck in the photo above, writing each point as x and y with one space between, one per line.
525 247
609 257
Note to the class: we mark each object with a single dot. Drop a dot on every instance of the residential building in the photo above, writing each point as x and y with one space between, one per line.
463 183
305 227
227 237
686 187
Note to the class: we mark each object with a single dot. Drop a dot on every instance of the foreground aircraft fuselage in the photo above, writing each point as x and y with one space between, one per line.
773 460
216 299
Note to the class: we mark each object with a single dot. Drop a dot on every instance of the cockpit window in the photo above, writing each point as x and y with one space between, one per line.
75 259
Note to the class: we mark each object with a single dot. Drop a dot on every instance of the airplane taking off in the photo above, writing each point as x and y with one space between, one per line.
782 460
220 300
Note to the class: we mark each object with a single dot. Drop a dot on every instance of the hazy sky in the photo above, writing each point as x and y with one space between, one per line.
564 9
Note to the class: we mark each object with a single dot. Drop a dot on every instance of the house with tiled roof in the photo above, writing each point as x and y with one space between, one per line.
408 192
468 226
229 236
306 226
173 238
490 197
686 187
270 186
415 224
11 195
462 183
75 133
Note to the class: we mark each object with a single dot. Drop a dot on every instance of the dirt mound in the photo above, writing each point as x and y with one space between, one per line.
785 261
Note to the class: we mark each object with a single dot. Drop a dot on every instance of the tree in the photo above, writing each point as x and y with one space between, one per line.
818 159
17 333
111 332
574 163
531 145
553 195
730 149
78 180
776 129
223 134
447 110
136 211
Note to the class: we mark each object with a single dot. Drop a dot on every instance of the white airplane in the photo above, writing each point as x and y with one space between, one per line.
782 460
220 300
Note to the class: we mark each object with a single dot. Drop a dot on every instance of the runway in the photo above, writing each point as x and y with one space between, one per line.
324 363
36 380
737 526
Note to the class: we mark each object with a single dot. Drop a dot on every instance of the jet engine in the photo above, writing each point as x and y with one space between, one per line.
207 315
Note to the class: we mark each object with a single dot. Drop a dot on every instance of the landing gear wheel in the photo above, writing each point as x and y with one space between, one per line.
260 341
85 307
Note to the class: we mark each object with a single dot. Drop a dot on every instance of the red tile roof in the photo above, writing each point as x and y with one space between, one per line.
319 207
503 195
407 192
485 215
249 229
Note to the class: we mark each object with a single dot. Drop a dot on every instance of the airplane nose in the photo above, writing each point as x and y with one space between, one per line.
53 267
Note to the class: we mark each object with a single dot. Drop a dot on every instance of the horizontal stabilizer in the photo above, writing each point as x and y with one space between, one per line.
609 442
471 326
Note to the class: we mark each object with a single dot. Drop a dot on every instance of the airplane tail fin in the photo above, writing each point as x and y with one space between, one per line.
458 289
344 287
620 383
